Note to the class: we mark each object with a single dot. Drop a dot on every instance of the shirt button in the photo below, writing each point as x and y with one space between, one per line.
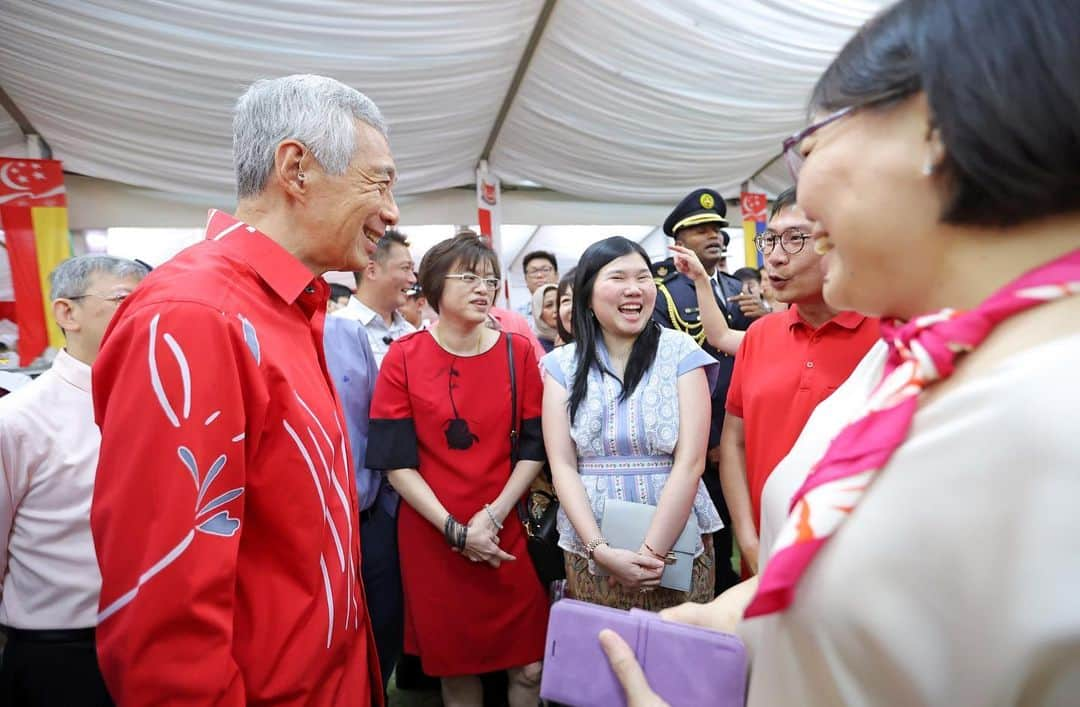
809 364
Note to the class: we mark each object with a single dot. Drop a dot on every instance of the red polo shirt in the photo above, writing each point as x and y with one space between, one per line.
225 513
783 369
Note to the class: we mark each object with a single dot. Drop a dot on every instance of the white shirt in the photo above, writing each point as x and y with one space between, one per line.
379 334
956 581
48 459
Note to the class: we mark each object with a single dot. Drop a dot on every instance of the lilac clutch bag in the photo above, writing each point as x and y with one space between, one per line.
686 665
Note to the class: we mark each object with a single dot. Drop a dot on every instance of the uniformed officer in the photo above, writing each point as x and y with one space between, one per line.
697 223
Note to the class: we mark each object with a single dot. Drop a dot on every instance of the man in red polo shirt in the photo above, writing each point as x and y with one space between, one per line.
787 363
225 509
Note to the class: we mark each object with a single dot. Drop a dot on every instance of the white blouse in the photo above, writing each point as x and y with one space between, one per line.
956 581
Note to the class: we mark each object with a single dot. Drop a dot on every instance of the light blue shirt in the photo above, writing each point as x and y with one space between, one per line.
352 366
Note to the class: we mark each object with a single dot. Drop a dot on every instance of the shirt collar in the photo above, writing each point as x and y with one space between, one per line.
72 370
285 275
359 311
845 320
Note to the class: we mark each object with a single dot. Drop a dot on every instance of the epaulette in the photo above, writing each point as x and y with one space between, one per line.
694 329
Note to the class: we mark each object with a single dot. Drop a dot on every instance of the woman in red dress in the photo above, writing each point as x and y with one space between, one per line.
440 428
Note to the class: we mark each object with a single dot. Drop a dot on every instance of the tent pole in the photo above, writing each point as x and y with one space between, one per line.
519 76
27 128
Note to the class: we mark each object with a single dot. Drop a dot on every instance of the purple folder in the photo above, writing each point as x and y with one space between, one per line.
686 665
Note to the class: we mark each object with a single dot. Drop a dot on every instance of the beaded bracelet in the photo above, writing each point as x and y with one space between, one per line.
491 515
590 547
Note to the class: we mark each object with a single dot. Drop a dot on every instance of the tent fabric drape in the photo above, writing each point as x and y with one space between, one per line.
624 100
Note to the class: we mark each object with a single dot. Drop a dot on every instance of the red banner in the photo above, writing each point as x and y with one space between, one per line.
33 215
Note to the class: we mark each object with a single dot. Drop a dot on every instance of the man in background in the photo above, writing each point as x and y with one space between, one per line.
48 460
540 268
381 289
697 223
787 363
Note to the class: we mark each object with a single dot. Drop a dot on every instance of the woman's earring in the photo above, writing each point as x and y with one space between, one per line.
928 167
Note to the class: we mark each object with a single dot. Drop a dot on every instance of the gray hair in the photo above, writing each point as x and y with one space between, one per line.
72 277
318 111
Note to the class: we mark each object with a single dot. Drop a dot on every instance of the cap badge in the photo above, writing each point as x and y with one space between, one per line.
707 201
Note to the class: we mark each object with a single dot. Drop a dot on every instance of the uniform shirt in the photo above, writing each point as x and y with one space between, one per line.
784 368
224 514
954 580
379 334
677 308
48 455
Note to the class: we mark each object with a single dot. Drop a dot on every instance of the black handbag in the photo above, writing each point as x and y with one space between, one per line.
539 509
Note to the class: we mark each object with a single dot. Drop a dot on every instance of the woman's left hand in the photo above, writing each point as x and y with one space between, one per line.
482 525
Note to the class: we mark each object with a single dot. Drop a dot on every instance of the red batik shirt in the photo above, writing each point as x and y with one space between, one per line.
224 511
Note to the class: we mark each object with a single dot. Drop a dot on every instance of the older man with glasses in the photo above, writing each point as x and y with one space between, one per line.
786 364
48 460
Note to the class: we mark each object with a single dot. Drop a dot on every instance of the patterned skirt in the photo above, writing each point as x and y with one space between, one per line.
583 586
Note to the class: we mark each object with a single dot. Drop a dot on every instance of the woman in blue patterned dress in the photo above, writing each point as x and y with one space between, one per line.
626 416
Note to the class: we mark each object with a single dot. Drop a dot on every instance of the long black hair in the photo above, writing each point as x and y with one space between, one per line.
587 332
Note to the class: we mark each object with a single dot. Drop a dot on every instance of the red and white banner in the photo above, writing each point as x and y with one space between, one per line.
33 214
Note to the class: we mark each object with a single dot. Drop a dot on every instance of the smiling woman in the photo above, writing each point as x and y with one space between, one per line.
944 203
616 401
442 414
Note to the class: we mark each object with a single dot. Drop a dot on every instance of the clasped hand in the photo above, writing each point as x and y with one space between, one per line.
482 541
632 570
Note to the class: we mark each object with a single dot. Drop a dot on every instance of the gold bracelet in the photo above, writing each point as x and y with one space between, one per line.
590 547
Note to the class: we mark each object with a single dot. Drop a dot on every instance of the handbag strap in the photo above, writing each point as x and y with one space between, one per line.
513 401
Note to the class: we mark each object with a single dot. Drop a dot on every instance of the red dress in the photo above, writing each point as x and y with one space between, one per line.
461 617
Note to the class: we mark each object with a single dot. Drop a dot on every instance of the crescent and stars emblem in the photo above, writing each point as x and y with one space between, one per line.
6 180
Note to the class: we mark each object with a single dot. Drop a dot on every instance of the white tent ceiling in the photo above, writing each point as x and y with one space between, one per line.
623 101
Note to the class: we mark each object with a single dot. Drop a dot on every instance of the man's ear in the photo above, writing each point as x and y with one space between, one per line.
291 159
64 314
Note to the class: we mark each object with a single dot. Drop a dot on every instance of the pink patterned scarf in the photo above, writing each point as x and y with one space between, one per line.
923 351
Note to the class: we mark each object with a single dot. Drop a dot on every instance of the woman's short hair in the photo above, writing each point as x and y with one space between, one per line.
1000 77
465 250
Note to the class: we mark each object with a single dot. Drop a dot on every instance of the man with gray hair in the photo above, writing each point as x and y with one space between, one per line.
225 513
48 457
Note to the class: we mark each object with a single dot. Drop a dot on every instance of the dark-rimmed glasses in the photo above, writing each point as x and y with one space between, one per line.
472 280
791 241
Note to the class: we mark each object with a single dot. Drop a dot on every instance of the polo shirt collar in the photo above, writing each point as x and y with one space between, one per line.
72 370
845 320
277 267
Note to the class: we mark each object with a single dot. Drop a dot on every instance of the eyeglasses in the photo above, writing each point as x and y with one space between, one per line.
793 156
791 241
115 299
471 280
543 270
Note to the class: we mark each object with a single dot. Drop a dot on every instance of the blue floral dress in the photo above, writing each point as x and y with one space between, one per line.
625 448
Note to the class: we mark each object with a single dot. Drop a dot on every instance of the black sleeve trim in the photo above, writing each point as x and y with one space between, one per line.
532 441
392 445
